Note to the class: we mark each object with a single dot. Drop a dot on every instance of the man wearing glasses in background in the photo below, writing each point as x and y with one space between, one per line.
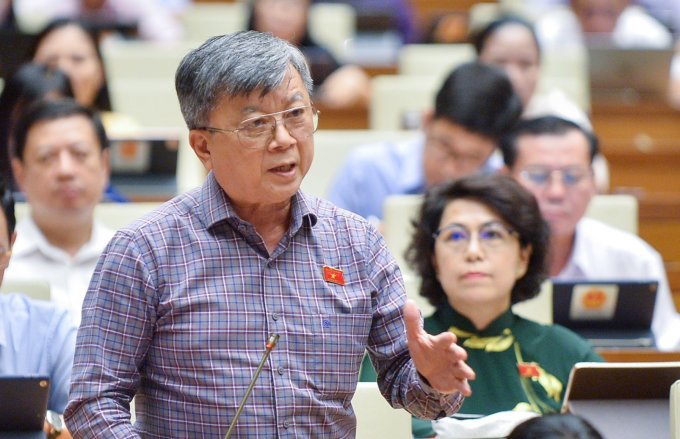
474 107
183 301
552 158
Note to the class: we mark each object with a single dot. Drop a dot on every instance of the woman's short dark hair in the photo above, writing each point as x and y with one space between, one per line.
52 110
481 36
510 201
555 426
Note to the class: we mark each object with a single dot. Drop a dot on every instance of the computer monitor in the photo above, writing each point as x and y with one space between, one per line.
607 312
144 164
626 76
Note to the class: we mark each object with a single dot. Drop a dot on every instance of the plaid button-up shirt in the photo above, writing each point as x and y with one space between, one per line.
182 303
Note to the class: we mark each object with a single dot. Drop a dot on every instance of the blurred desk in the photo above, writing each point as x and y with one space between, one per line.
637 355
355 118
637 122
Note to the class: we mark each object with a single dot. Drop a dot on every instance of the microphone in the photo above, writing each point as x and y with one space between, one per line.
271 344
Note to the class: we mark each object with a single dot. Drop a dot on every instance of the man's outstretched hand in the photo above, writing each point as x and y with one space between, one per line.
437 357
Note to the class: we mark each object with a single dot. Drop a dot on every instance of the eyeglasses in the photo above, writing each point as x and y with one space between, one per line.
490 236
541 176
4 257
446 150
257 132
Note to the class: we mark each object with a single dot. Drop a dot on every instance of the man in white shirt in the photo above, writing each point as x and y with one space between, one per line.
552 158
61 164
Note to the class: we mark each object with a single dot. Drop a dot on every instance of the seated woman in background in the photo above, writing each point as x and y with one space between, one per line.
29 83
336 85
480 246
69 45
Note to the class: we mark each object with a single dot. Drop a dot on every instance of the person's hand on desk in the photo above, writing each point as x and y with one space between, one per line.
437 357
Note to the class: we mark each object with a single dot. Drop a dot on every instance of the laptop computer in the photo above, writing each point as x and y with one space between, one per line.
144 164
23 402
608 313
623 400
627 76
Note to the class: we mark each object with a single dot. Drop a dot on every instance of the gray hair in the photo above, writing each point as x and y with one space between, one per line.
233 65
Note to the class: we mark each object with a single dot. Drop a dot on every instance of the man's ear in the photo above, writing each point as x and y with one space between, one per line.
199 141
504 170
523 262
426 118
18 171
106 163
12 239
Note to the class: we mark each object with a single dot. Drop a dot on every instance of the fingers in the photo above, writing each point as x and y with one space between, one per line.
412 319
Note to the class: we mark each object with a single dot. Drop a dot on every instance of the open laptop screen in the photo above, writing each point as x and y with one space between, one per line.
607 312
623 400
628 75
144 165
23 402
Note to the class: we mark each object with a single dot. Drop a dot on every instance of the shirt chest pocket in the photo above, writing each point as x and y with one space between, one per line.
334 347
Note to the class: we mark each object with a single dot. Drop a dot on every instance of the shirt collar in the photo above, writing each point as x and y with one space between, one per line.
216 207
31 239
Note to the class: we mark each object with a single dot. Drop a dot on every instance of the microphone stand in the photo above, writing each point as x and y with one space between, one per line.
271 343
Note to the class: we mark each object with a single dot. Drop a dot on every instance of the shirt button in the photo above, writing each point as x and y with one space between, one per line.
275 316
280 370
286 424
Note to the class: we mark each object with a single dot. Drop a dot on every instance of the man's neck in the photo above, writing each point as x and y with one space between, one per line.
561 248
70 234
270 221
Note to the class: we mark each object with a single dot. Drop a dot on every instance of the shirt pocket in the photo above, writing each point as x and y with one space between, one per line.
338 343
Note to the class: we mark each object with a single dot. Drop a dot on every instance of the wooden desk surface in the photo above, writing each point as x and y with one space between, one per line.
637 355
644 120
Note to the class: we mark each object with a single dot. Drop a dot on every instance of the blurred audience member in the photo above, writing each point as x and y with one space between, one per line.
510 42
480 245
399 13
475 106
448 28
150 17
68 45
62 167
36 337
552 158
30 83
555 426
616 22
336 85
